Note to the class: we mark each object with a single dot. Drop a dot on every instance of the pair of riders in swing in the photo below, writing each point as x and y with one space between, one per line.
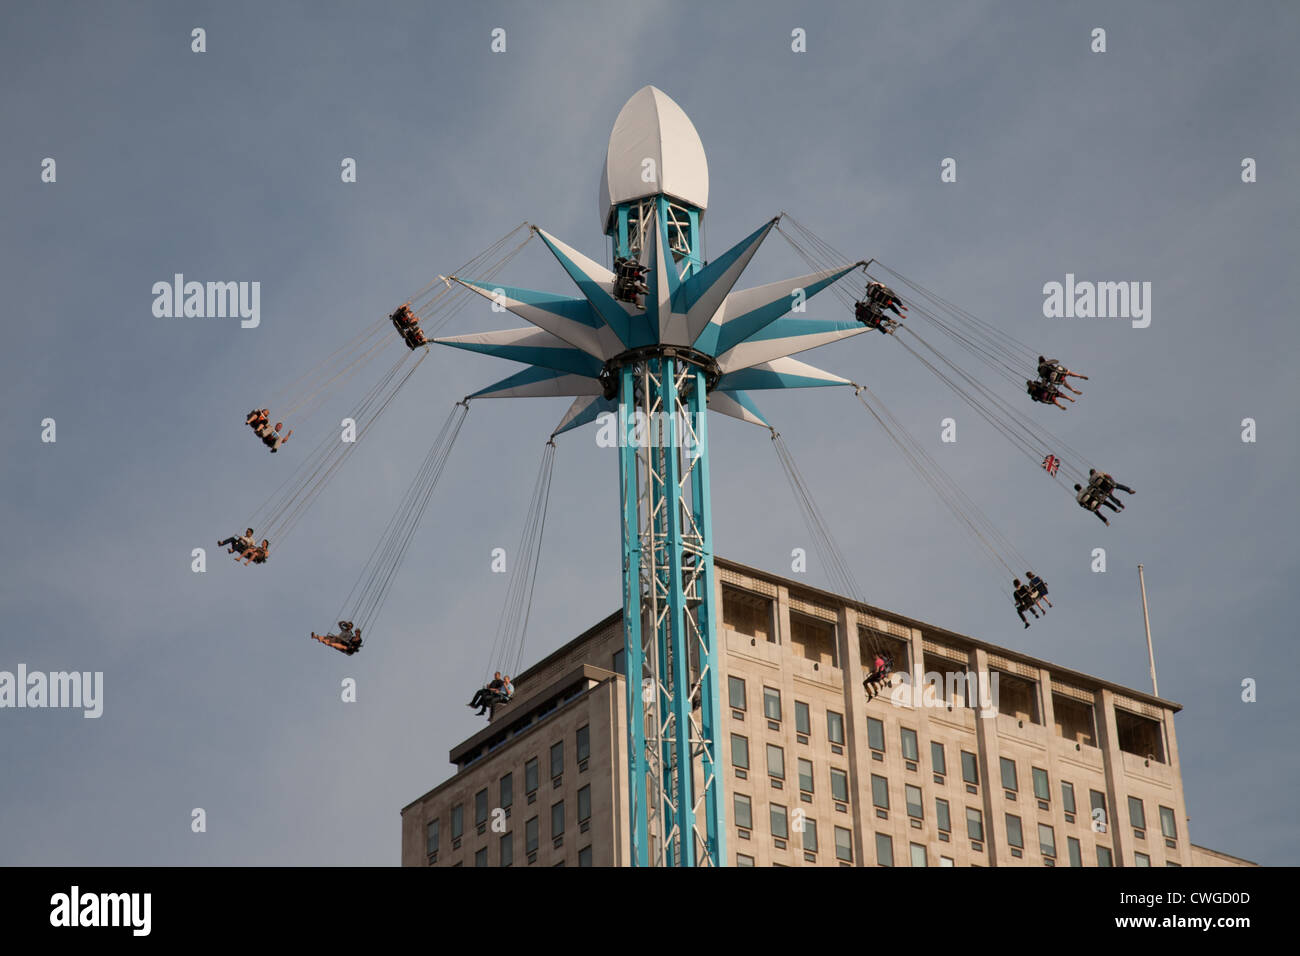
870 311
408 326
259 419
243 548
1101 491
1051 379
498 691
347 640
1030 596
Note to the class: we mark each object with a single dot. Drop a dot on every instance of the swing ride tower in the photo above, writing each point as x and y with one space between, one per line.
647 365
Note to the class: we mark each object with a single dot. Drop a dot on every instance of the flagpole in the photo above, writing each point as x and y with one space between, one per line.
1146 619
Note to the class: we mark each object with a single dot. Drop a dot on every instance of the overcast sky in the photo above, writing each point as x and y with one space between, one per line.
225 166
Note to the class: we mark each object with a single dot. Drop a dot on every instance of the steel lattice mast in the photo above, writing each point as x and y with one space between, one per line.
689 343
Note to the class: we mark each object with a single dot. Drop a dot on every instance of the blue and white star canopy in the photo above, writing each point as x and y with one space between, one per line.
749 332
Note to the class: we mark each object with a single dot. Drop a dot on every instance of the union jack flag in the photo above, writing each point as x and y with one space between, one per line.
1050 464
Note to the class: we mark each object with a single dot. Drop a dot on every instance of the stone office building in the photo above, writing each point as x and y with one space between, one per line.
1046 767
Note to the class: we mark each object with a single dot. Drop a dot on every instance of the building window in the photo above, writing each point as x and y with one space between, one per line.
1073 720
480 807
457 821
1076 855
740 751
1017 697
480 857
584 743
809 836
743 811
1067 796
835 727
813 639
530 836
743 860
507 844
970 768
805 775
507 790
875 734
975 824
937 758
1140 736
771 703
1103 856
584 804
879 792
1046 840
1042 790
884 849
1099 818
1141 859
775 762
584 856
1008 774
530 776
747 613
844 844
1015 836
912 797
736 692
780 822
431 837
910 751
557 820
918 854
557 759
941 817
802 718
949 679
1137 814
620 661
946 861
839 785
1167 825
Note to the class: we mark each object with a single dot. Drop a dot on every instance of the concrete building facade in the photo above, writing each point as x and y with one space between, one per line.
975 756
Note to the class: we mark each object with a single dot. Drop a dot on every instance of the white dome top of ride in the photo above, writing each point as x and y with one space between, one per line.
651 126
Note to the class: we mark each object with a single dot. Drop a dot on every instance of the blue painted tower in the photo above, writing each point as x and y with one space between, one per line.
648 349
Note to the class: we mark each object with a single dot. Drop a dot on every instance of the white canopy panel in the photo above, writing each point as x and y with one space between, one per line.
651 126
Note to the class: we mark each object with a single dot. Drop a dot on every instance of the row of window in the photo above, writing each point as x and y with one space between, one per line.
776 768
1011 785
506 796
915 802
1015 838
779 821
737 700
507 853
532 832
